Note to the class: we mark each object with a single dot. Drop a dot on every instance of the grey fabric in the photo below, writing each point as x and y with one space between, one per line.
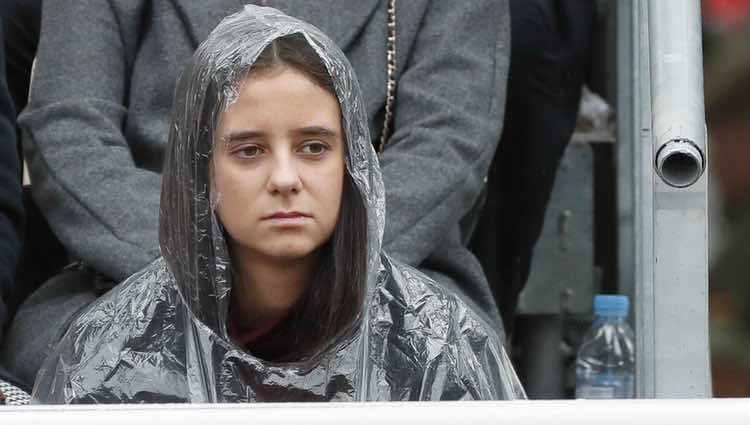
41 320
96 125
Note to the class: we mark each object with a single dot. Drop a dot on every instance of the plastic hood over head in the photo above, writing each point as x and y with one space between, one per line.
161 336
191 239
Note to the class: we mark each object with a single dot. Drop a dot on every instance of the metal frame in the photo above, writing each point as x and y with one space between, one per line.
573 412
660 113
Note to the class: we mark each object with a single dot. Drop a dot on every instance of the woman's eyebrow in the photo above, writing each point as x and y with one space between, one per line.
243 136
315 131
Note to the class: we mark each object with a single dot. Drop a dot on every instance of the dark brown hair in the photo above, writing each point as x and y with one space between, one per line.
293 51
334 298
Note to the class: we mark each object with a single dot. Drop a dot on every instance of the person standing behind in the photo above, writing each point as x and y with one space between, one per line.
273 284
97 122
551 59
11 207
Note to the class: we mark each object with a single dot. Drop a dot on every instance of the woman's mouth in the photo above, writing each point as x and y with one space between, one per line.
287 218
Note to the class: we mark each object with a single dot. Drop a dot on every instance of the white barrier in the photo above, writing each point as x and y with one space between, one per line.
562 412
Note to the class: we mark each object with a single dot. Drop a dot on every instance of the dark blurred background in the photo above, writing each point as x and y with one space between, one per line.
726 44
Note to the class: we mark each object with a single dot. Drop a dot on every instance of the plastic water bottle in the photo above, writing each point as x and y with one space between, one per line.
605 365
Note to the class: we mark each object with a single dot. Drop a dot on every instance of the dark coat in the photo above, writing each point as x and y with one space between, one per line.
11 206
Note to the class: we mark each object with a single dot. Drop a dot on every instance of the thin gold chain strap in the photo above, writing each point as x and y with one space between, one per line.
391 69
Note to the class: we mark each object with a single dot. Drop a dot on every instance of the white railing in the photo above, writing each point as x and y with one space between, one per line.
562 412
662 85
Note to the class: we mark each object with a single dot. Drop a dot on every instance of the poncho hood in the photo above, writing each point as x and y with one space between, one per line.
161 335
191 238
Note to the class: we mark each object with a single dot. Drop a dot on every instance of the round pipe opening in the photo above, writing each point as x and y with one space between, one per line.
679 163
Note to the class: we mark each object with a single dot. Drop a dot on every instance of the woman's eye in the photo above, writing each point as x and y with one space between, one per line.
248 152
314 148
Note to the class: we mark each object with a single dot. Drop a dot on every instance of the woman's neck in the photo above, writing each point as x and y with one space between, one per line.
265 290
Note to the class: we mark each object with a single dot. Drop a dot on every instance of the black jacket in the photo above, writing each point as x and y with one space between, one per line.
11 208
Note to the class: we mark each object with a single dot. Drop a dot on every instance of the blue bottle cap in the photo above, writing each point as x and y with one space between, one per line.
611 305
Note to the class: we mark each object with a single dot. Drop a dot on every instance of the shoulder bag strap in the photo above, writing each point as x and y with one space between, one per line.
391 69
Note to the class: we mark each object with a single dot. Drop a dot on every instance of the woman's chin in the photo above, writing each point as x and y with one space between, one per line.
291 251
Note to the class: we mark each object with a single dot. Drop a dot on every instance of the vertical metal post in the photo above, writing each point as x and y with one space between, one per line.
643 199
625 93
670 187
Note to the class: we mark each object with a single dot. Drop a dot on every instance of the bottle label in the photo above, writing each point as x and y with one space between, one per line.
605 386
593 392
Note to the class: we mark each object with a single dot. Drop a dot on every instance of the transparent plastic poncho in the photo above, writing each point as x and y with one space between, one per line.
161 335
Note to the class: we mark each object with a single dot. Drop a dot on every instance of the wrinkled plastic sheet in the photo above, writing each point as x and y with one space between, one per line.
161 335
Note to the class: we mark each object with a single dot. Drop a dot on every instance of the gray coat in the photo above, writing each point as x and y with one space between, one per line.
96 125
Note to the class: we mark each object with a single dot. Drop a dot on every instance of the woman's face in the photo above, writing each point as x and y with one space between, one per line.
278 167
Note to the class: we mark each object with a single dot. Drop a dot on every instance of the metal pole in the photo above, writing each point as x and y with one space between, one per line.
672 291
643 264
677 90
625 148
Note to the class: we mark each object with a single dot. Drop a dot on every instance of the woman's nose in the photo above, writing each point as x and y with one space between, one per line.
284 177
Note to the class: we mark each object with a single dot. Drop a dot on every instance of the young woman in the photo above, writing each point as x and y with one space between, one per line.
273 285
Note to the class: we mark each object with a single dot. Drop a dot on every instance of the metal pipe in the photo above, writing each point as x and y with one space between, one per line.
673 358
678 114
679 162
625 148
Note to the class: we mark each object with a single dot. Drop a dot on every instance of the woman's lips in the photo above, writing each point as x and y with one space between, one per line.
289 214
287 218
